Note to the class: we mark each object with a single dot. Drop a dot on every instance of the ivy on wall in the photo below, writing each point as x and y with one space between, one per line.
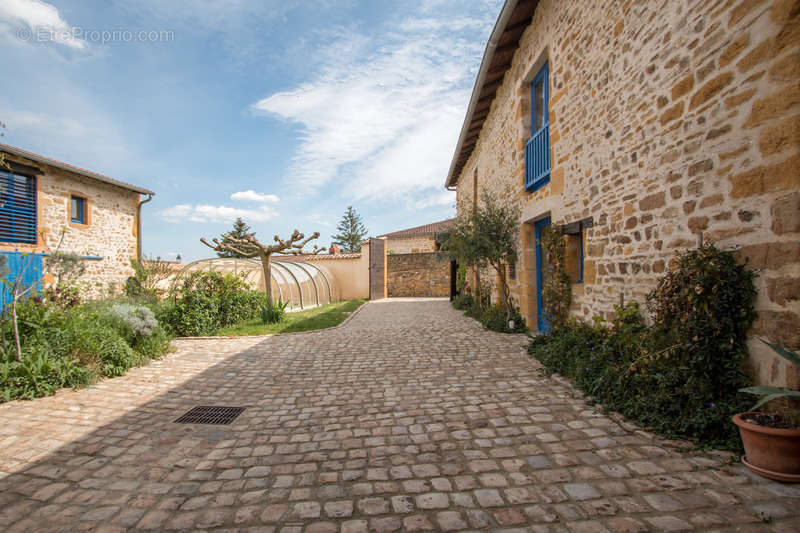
556 288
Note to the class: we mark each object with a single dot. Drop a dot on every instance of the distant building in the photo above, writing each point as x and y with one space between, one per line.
47 205
419 239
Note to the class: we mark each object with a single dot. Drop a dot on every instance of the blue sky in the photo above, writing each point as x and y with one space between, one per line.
283 113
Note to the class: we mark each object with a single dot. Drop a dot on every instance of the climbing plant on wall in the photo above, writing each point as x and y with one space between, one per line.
556 289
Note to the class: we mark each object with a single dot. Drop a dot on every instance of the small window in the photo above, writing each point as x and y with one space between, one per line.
77 209
573 256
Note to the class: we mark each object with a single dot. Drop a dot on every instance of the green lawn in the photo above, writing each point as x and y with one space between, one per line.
322 317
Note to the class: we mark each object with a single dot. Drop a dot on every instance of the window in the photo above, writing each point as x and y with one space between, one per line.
77 209
17 208
537 149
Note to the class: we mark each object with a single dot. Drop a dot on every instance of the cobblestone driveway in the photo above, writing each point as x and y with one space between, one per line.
410 417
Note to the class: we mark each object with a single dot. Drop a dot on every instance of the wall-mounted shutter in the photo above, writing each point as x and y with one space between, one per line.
17 208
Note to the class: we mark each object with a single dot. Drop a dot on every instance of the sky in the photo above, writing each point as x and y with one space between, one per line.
282 113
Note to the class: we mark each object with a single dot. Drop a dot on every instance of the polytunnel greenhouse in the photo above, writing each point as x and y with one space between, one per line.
300 283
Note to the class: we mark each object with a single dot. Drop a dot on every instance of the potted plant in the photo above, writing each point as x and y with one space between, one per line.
771 438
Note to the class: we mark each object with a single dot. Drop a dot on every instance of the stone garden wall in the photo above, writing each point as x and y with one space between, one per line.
418 274
667 119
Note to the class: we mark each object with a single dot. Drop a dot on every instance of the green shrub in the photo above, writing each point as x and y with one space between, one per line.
137 320
463 301
73 346
203 302
680 376
273 313
494 318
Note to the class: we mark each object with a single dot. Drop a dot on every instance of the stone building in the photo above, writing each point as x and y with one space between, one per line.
49 205
416 240
415 264
637 126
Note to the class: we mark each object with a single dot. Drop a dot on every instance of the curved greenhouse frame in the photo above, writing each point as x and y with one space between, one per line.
302 284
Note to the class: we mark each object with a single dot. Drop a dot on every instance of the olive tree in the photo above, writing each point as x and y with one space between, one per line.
487 236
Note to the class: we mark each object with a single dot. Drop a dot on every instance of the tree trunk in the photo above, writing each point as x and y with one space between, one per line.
265 265
478 296
16 327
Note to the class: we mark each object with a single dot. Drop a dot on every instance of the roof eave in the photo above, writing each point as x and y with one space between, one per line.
19 152
497 32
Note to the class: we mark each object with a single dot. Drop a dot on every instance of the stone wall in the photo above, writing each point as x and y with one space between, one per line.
110 232
418 274
411 245
666 119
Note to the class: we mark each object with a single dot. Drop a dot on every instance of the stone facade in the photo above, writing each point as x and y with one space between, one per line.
666 120
418 274
108 239
411 245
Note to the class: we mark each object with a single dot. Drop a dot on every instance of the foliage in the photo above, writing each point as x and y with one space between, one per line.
461 277
463 302
63 295
147 275
273 312
351 231
495 319
202 302
71 347
324 316
487 236
788 401
680 376
239 231
138 319
556 289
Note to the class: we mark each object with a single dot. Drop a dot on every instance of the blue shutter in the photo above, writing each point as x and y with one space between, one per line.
537 149
27 266
17 208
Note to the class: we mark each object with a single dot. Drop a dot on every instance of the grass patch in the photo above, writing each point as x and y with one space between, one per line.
322 317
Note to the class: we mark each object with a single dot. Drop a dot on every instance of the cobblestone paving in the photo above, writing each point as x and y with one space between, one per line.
410 417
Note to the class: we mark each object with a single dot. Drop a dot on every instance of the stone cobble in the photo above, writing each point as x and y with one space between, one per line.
410 417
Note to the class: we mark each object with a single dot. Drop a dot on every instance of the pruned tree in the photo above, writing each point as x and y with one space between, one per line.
249 247
351 231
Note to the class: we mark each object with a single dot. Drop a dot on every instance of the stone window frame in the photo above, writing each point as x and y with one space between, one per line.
524 92
87 208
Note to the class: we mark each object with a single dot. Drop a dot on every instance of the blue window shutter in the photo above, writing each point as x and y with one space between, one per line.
537 149
17 208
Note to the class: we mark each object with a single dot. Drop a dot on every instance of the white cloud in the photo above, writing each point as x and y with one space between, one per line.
42 21
382 120
437 199
253 196
211 213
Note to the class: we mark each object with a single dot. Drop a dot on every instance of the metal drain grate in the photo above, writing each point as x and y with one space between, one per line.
210 414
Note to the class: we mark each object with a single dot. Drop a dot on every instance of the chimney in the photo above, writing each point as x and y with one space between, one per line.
333 250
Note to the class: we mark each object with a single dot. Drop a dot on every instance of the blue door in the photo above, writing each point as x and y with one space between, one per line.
26 265
542 273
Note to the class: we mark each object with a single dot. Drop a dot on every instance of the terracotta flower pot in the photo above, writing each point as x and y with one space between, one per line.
770 452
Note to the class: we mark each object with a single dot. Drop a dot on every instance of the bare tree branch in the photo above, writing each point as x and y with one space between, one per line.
249 247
